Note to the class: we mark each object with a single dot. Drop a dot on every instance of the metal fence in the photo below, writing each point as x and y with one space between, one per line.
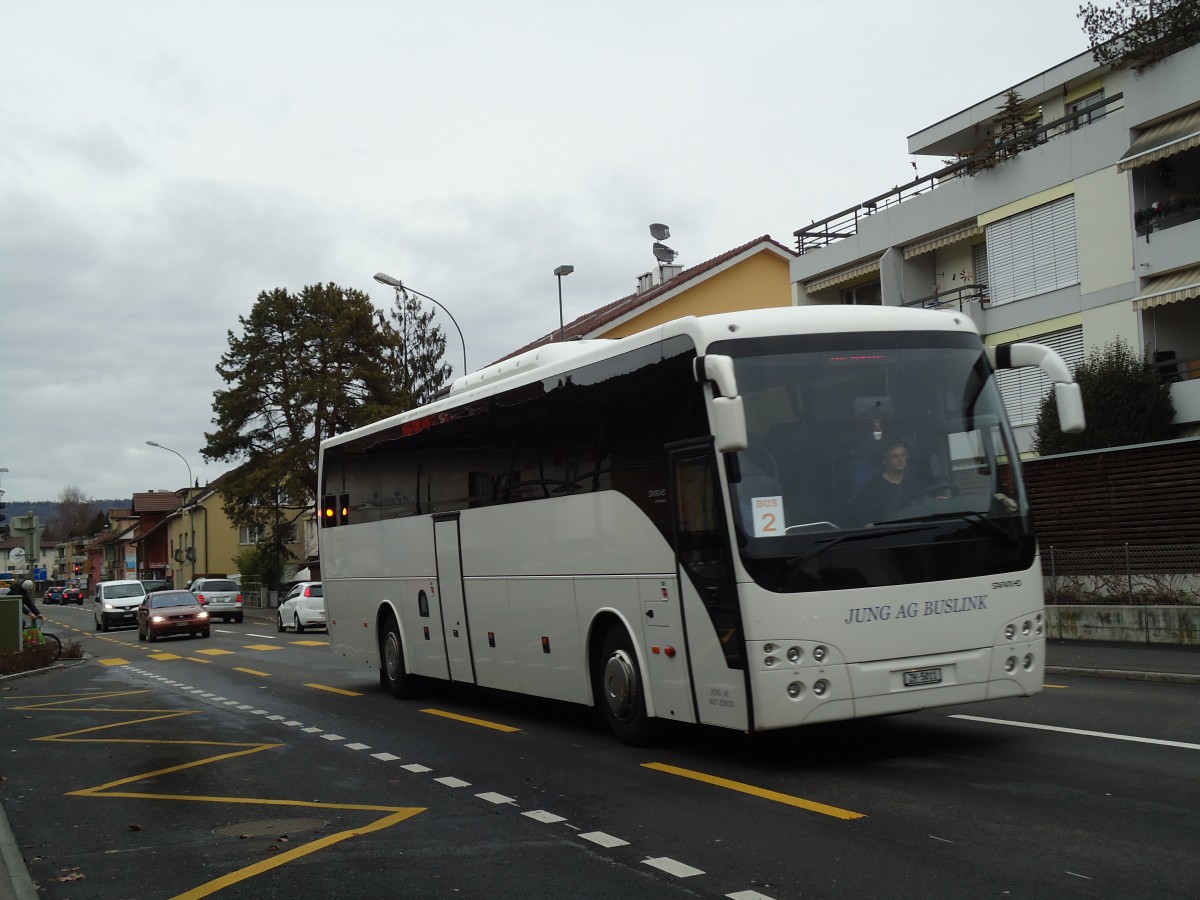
1126 574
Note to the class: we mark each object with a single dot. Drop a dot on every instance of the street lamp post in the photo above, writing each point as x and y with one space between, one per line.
396 283
180 455
191 524
559 273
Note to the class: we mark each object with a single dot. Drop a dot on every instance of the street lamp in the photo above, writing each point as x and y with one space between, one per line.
559 273
180 455
396 283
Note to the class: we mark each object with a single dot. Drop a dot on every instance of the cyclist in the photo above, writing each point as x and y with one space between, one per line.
25 590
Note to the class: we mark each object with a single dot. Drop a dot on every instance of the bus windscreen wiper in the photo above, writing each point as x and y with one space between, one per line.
967 515
877 531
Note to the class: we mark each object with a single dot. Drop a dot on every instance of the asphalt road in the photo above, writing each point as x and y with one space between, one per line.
254 764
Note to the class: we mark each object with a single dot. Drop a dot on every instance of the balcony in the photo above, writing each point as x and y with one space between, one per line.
846 223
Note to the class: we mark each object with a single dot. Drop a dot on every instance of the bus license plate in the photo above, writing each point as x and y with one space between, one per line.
918 677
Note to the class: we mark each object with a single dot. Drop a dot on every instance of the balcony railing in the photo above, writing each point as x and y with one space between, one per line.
845 223
955 298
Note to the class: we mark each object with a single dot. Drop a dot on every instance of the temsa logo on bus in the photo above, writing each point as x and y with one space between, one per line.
996 585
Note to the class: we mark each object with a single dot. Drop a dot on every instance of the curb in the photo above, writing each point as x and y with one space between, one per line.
1125 675
15 883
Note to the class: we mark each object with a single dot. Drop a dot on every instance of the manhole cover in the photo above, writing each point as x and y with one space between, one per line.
269 827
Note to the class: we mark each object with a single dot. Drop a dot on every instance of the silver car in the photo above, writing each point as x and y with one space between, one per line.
220 596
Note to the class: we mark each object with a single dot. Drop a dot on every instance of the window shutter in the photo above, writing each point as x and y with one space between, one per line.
1023 389
1032 252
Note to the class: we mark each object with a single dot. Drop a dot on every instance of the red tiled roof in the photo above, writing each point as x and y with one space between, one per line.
155 501
598 318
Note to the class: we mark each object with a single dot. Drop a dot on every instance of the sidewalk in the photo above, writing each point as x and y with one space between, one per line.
1132 662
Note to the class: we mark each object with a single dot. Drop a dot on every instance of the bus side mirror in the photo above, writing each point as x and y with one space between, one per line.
729 424
1070 407
728 411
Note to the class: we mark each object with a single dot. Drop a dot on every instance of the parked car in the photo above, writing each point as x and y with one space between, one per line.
220 596
54 595
72 594
116 603
303 607
164 613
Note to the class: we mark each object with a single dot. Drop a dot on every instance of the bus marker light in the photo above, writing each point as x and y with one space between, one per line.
770 661
795 689
1010 631
670 651
545 644
1010 664
820 687
769 648
654 650
819 653
1026 627
491 639
1028 661
794 654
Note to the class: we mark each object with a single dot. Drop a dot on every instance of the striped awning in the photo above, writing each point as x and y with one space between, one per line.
1181 285
841 276
942 240
1163 140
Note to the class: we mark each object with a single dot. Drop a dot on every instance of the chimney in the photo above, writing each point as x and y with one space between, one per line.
645 282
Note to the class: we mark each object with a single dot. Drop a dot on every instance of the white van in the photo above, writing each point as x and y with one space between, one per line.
116 603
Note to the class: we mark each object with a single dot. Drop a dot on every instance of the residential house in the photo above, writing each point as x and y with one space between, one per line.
201 539
1079 226
752 276
150 556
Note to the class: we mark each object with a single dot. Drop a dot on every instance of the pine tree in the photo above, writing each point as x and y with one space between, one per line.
416 352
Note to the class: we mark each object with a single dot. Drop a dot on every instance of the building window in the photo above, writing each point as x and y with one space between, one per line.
1032 252
1082 102
1023 389
253 535
863 295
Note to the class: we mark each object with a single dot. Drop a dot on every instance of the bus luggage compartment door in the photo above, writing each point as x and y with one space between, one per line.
453 599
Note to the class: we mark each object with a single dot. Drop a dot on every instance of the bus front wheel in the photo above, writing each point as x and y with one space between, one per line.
621 690
393 677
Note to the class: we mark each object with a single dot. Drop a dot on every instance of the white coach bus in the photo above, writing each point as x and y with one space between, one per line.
669 525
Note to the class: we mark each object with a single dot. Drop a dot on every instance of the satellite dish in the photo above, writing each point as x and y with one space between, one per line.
659 232
663 253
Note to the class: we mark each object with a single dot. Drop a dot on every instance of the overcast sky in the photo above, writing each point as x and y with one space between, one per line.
163 163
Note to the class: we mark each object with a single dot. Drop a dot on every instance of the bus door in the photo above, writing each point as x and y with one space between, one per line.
707 585
453 600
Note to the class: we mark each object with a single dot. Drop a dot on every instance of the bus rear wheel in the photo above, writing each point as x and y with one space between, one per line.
621 690
393 677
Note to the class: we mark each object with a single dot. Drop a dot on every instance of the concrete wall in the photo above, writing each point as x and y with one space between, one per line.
1136 624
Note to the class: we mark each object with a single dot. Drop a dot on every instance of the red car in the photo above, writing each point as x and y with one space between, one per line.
165 613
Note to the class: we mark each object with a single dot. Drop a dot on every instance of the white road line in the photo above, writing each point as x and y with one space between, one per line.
357 746
331 737
265 637
292 723
541 815
275 718
748 895
259 712
451 781
673 867
385 757
604 840
417 767
1100 734
312 729
493 797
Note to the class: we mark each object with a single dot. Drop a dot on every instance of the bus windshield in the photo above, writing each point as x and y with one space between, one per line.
857 434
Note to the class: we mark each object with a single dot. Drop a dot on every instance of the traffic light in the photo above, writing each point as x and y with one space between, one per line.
78 568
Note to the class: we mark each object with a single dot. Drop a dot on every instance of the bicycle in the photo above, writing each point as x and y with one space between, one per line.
33 638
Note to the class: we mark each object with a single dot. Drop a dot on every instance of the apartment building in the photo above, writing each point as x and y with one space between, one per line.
1064 210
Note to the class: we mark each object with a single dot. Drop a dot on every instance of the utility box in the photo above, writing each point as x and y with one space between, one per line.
10 624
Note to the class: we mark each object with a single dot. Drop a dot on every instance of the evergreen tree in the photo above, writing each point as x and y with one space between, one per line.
305 367
1124 401
1138 33
416 352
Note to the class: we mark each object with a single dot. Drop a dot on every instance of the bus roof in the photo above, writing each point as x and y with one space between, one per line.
556 358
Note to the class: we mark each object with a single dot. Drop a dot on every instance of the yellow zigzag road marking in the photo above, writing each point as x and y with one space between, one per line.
70 703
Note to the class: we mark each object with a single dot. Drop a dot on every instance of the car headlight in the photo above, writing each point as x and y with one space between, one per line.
157 619
202 615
